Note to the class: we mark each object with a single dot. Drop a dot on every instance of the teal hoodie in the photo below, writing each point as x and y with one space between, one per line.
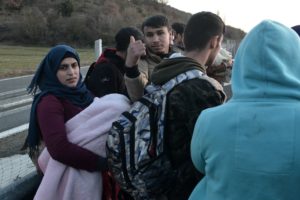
249 148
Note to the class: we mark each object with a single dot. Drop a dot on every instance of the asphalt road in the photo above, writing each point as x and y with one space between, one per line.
15 103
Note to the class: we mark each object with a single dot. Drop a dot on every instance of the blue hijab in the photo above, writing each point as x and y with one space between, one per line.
46 81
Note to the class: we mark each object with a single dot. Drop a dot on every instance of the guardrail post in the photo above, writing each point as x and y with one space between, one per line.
98 48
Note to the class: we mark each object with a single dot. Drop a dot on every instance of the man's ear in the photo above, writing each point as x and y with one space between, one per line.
214 42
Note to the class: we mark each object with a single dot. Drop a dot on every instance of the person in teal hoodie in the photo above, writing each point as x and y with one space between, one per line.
249 148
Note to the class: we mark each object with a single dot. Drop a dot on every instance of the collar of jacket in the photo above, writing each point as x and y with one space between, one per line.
169 68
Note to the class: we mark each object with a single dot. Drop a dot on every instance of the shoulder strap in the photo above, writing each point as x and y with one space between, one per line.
188 75
191 74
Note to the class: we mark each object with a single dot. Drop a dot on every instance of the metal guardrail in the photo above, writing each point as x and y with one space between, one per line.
24 188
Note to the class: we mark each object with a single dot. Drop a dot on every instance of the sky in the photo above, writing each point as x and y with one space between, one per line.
244 14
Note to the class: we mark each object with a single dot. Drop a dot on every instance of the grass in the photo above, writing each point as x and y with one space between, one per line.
20 60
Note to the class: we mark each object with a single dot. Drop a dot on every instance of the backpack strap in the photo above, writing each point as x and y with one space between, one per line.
192 74
188 75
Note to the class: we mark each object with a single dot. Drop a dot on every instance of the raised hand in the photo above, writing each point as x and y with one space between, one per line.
135 50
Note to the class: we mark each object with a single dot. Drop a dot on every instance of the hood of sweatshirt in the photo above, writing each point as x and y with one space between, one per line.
171 67
267 64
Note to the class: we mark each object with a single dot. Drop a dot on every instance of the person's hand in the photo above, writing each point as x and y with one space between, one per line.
135 50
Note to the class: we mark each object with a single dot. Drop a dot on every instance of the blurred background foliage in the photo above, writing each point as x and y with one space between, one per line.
81 22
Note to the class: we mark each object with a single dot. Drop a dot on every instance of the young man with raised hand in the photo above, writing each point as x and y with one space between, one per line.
143 57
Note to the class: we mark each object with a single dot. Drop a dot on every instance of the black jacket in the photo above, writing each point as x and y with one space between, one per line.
184 104
106 76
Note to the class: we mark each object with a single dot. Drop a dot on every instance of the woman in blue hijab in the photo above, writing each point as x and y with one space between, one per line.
59 95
